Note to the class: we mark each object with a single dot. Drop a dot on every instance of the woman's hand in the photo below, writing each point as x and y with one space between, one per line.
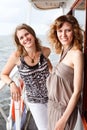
15 92
60 125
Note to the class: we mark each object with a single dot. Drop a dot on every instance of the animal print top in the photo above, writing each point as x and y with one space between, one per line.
34 78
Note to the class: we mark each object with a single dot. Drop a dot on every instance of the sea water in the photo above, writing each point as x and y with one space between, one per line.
6 48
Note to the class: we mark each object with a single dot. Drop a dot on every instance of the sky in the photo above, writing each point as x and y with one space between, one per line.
12 12
15 12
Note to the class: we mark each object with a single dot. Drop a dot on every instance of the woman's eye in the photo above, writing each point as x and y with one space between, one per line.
20 38
59 31
68 30
26 34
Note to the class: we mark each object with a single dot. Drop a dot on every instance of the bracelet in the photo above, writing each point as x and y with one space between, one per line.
10 82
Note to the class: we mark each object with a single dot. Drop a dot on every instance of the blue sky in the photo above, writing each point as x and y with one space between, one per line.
14 12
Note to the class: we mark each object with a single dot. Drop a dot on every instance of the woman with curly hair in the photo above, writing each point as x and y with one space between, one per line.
64 84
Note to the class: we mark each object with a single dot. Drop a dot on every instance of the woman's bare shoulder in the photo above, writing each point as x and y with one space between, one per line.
76 53
46 51
77 56
15 54
14 57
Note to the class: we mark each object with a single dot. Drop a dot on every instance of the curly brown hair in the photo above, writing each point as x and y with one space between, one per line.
20 48
77 32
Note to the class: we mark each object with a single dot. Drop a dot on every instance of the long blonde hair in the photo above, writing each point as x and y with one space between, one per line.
20 48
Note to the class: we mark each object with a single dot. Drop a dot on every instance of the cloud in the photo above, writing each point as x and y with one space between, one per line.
12 13
7 28
12 3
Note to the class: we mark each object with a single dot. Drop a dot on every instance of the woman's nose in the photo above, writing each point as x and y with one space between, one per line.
64 33
25 37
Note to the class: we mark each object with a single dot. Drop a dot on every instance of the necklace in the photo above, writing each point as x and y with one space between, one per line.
64 53
32 59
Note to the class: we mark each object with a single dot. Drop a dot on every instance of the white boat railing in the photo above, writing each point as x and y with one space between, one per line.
17 107
18 116
9 125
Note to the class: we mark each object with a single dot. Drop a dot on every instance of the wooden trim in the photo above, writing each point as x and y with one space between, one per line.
84 107
76 3
85 42
84 123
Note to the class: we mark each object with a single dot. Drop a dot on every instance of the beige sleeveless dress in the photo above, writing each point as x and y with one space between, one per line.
60 89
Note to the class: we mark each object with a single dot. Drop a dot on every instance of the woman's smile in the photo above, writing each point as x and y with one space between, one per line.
65 34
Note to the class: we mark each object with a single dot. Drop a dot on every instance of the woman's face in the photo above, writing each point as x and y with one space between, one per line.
65 34
26 39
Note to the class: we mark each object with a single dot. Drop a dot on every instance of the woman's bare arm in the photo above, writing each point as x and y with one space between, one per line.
5 75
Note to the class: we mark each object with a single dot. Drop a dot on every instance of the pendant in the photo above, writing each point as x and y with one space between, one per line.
32 61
